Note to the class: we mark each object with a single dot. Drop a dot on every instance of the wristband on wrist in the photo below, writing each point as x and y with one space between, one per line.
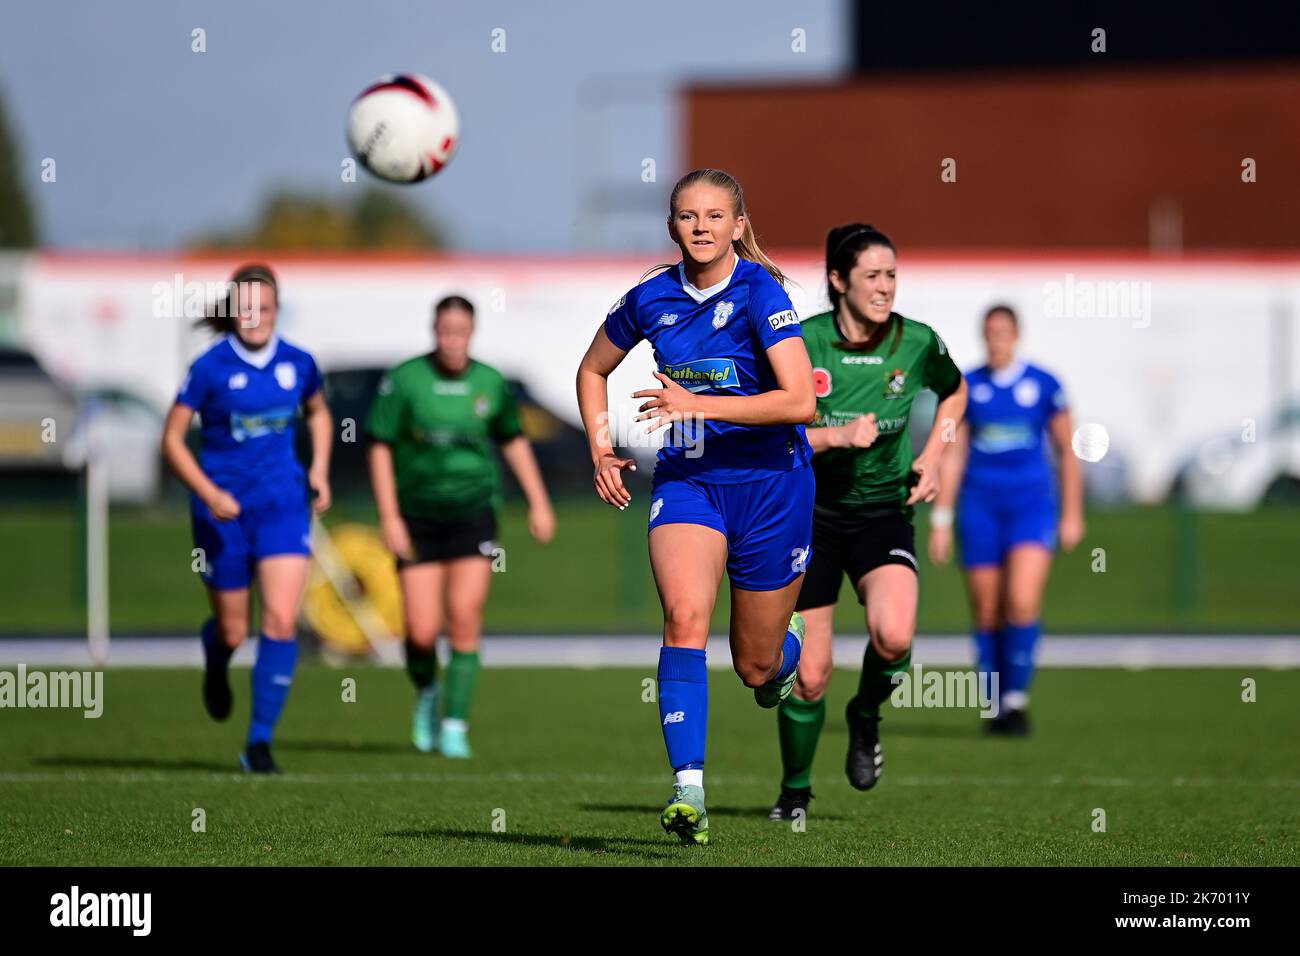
941 516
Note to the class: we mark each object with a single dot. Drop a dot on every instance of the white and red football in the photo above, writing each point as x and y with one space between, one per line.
403 127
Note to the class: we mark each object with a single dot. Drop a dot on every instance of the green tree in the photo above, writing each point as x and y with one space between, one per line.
17 225
288 220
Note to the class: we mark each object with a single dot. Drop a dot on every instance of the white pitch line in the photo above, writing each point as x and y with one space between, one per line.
1132 652
564 779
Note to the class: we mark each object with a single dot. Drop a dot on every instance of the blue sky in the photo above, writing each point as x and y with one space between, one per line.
154 142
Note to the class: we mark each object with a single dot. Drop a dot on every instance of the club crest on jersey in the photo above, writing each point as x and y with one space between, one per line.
286 375
821 382
1026 393
668 318
481 406
721 312
237 381
895 383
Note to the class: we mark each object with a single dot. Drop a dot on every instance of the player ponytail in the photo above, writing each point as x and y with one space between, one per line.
843 246
220 315
746 246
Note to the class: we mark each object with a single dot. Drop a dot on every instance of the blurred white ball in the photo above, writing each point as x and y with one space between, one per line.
1090 442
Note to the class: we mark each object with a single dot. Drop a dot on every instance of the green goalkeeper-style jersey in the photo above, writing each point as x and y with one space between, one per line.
442 428
885 380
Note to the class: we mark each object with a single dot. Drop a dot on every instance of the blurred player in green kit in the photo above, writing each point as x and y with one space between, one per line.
437 487
869 363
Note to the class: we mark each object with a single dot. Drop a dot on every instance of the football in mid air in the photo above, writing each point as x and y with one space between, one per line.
403 127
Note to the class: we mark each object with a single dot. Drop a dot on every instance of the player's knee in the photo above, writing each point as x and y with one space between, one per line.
234 631
685 625
278 623
892 641
423 634
1022 612
754 670
812 683
464 620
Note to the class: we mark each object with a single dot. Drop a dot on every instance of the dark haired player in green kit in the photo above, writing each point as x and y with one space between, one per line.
869 363
437 487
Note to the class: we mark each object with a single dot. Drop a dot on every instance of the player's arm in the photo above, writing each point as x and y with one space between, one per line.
859 433
952 468
518 453
792 402
186 467
320 426
1072 529
383 482
602 357
950 412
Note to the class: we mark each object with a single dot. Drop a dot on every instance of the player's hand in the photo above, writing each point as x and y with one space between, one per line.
397 538
223 505
1071 531
666 405
940 545
541 523
609 480
927 485
861 432
320 484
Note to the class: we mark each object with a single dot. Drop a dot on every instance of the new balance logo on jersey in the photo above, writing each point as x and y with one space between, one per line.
668 318
237 381
655 508
721 312
676 717
782 319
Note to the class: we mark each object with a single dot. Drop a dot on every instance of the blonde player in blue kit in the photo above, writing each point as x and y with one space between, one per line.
733 486
251 501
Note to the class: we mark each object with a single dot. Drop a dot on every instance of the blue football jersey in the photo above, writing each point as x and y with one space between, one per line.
248 405
1008 411
714 341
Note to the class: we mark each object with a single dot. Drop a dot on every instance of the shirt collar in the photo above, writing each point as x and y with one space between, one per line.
699 295
1006 377
259 359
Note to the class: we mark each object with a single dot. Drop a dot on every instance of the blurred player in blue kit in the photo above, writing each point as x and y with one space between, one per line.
251 502
1007 513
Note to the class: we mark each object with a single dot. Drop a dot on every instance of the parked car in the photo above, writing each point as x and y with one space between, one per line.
1238 471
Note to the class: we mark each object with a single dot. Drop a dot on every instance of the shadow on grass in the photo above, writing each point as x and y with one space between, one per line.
910 728
619 846
348 747
137 763
751 813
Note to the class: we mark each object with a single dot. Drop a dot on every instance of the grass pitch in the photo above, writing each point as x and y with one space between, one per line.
569 769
